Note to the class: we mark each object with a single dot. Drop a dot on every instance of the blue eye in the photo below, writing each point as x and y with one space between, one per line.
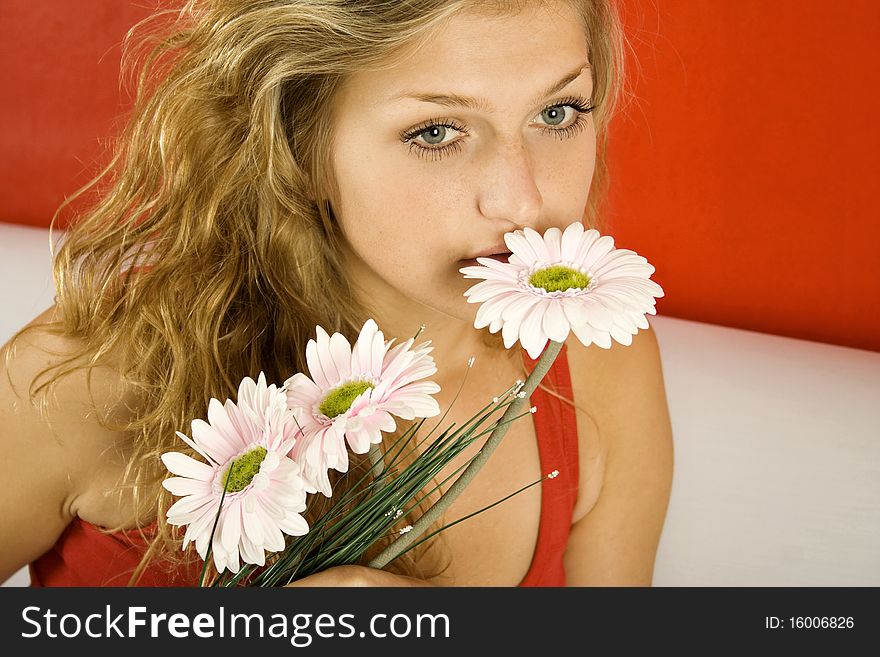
435 131
557 115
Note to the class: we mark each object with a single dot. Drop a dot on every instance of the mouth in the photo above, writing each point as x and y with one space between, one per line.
500 257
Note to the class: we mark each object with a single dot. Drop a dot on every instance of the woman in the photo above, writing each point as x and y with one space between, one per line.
302 164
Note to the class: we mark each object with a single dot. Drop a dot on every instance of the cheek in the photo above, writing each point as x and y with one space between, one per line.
565 185
394 212
391 233
579 174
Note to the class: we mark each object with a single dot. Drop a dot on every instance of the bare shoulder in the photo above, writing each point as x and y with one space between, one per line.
606 377
623 392
54 448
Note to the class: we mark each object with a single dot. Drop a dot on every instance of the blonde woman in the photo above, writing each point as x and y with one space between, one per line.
290 164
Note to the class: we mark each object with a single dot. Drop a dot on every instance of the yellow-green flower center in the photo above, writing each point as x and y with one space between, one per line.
340 399
559 278
243 470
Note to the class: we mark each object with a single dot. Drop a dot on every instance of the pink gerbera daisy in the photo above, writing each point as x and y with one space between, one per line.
246 447
560 282
352 396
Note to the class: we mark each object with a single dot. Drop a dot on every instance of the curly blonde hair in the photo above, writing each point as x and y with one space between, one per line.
206 257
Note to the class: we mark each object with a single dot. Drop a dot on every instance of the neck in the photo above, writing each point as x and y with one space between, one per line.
454 341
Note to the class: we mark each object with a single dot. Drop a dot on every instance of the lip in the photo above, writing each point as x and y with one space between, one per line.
495 249
498 252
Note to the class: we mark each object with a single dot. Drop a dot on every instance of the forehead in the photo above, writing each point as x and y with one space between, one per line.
494 56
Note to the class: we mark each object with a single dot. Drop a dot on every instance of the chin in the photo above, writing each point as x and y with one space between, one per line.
461 310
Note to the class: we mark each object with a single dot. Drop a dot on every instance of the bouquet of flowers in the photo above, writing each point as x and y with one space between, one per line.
266 452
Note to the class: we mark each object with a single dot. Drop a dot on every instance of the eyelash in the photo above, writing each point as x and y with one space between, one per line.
579 103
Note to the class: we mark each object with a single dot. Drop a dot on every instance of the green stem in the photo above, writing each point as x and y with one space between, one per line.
376 460
401 544
478 511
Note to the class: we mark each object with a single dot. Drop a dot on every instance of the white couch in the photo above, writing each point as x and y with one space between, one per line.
777 445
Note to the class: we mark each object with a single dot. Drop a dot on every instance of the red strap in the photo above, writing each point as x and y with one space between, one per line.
556 430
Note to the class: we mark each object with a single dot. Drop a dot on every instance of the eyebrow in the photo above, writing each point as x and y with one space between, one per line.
481 104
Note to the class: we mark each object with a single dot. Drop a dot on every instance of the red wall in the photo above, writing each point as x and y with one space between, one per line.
59 80
744 169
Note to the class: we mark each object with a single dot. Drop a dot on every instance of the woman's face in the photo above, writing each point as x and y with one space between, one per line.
428 180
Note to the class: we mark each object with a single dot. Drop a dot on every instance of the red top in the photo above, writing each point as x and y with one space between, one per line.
84 556
556 430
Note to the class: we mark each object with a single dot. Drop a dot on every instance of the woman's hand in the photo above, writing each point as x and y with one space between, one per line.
357 576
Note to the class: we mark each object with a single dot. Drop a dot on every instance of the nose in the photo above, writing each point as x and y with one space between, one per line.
508 193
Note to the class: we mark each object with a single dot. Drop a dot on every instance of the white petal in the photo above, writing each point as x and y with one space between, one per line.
641 287
325 357
186 466
189 441
199 529
359 441
253 528
531 334
598 316
184 486
322 483
270 462
537 243
621 336
553 243
314 363
620 263
360 352
274 539
219 421
495 308
640 320
384 421
602 339
251 553
294 524
230 532
377 353
423 387
517 308
342 460
537 348
575 310
510 332
599 250
584 333
489 289
555 324
587 239
212 442
340 352
570 240
521 247
302 391
184 510
493 269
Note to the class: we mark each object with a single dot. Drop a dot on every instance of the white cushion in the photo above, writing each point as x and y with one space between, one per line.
777 460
